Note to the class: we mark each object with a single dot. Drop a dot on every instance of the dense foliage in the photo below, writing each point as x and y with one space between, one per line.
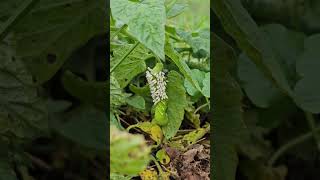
52 89
266 95
160 88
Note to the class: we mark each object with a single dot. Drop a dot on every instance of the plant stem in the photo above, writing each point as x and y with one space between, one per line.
207 99
157 164
200 107
312 125
174 37
19 13
124 57
118 31
289 145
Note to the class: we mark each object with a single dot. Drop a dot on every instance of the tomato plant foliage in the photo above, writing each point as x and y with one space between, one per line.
46 96
267 65
154 57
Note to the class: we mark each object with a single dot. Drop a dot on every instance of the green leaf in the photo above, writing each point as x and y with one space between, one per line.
238 23
129 154
18 14
146 21
162 156
206 85
176 104
307 89
199 41
191 116
48 35
130 67
141 91
117 96
115 122
150 128
258 88
23 112
183 67
85 91
176 9
85 126
203 79
286 46
197 75
228 124
193 136
136 101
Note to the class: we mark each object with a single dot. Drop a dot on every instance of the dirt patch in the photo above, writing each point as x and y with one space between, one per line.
193 164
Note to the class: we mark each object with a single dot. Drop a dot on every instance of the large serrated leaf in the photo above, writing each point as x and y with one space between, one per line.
176 9
146 21
22 111
176 104
228 124
53 29
131 66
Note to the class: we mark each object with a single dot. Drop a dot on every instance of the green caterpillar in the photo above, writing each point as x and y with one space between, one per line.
157 68
160 113
160 109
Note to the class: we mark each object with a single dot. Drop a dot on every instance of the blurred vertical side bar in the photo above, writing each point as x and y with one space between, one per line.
108 88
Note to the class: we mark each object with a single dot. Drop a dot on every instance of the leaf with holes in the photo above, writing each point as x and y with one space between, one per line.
50 33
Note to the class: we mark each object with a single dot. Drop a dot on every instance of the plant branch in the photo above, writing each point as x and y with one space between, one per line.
200 107
157 164
117 32
124 57
19 13
289 145
312 125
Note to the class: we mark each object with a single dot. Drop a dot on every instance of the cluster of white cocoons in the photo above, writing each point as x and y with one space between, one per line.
157 83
